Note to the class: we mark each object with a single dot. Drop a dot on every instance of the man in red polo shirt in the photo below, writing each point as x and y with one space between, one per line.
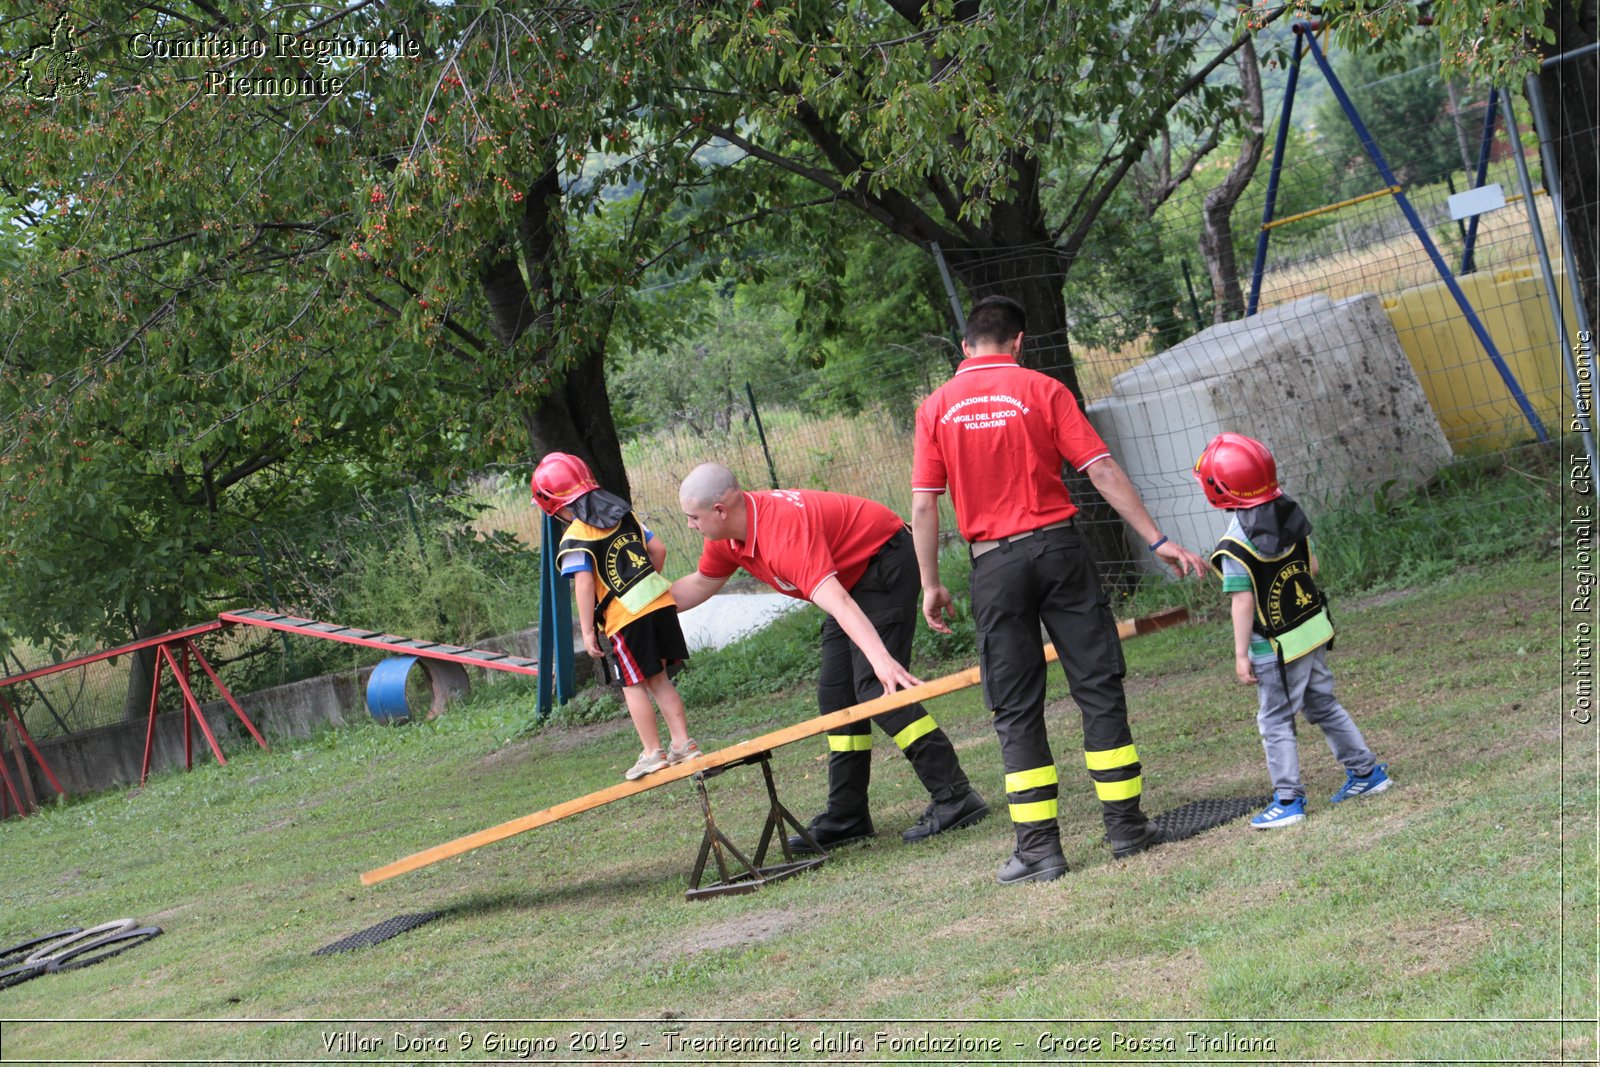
853 559
997 434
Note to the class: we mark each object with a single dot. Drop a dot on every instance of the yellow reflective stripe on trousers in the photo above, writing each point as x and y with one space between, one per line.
1017 781
922 727
849 742
1111 758
1038 811
1120 790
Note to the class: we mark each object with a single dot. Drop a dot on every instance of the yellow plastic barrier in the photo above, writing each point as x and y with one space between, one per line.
1474 405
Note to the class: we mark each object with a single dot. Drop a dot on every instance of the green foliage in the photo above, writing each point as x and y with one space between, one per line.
1402 99
1305 183
699 381
1472 512
228 309
1489 42
593 704
460 594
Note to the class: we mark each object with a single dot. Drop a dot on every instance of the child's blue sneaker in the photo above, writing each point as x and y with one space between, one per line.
1376 781
1280 813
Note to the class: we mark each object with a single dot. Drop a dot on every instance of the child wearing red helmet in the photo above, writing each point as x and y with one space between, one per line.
615 566
1281 627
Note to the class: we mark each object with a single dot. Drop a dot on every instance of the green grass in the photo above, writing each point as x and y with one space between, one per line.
1429 923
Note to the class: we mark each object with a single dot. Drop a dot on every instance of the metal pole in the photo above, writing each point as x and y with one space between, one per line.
1194 305
1273 173
1485 146
1582 399
949 287
1378 160
772 472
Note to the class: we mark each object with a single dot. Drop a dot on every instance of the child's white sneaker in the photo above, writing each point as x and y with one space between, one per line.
689 751
649 762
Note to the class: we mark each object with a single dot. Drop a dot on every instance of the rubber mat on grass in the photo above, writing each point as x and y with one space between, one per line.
1199 815
382 932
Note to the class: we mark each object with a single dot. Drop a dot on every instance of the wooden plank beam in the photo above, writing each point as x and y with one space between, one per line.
950 683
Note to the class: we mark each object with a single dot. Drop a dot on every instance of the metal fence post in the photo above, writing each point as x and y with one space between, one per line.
949 287
772 472
1583 421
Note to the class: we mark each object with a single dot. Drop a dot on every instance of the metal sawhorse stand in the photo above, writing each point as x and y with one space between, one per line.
750 874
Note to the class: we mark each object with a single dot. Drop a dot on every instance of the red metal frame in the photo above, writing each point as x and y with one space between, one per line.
179 665
27 740
111 653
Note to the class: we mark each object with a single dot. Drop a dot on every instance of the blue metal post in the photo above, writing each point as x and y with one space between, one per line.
1273 173
556 683
1484 145
1427 242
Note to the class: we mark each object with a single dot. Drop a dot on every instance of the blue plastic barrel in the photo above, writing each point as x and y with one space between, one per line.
386 690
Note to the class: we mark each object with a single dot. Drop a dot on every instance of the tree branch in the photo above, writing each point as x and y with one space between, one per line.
1087 211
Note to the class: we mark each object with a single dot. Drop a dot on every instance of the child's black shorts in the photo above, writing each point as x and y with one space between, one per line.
646 645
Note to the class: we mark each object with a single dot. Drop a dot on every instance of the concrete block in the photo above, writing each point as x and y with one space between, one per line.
1323 384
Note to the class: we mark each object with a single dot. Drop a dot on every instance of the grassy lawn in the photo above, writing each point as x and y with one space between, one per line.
1451 918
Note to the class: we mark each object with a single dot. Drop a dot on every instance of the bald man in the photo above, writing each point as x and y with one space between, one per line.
854 559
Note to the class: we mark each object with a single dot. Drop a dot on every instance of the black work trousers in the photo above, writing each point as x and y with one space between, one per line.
1049 579
887 594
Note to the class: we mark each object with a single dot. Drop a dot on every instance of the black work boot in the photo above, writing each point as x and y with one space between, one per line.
1133 842
1038 857
1046 868
963 811
830 831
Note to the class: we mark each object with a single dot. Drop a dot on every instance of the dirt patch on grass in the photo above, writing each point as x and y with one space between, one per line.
572 737
166 916
553 740
515 752
1436 948
1378 600
741 932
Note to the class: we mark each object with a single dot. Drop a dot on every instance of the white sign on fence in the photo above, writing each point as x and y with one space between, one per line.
1477 201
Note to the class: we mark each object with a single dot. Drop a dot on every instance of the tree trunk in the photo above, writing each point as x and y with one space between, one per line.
1570 101
1028 270
576 418
1216 226
141 672
1034 275
575 415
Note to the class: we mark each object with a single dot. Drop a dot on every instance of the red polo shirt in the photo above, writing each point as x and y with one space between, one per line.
997 433
795 539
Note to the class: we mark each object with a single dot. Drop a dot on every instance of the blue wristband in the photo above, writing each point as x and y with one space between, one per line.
1158 543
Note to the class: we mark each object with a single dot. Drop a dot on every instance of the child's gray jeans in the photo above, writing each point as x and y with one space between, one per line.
1310 689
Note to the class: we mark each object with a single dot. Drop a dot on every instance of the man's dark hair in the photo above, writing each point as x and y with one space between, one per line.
995 319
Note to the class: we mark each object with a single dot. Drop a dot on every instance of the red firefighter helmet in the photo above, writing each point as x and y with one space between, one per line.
559 479
1237 472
